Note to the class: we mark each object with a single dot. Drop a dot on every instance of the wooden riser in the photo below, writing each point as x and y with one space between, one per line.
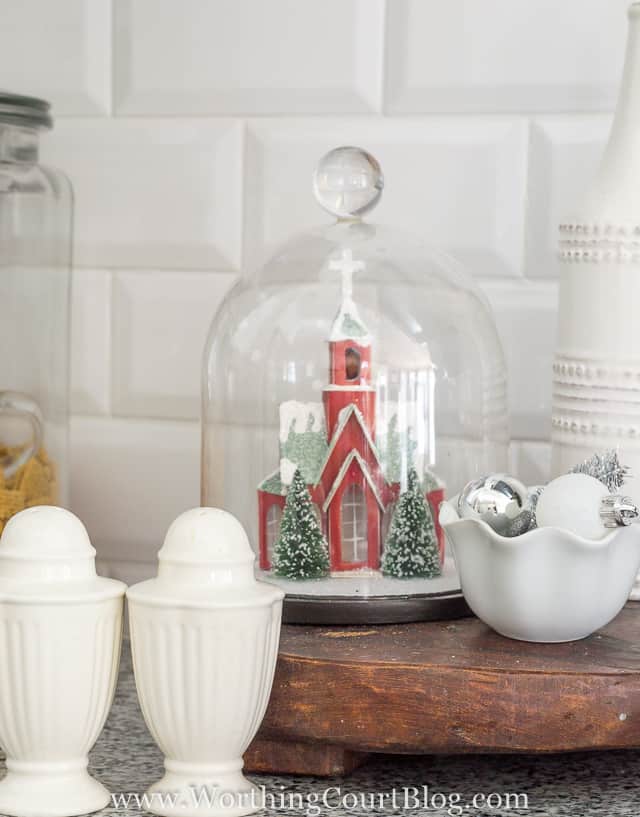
438 687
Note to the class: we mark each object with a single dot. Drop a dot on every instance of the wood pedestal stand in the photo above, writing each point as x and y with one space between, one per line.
445 687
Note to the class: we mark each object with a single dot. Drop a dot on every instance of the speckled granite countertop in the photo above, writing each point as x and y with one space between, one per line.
126 760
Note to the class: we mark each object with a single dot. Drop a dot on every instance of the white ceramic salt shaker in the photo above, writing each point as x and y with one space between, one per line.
204 638
60 637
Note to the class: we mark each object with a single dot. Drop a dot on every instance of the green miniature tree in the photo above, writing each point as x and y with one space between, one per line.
391 445
301 549
411 548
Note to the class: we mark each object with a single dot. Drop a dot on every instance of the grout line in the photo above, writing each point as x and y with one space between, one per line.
530 287
108 364
242 251
331 116
525 204
382 75
133 419
112 67
112 356
358 116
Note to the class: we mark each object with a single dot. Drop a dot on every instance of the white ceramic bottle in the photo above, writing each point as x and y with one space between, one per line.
596 372
204 638
60 636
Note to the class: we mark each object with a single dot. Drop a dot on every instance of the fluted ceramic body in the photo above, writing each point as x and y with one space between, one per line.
546 585
60 636
57 678
596 372
204 638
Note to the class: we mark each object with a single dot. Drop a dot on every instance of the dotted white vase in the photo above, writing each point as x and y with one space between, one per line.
596 372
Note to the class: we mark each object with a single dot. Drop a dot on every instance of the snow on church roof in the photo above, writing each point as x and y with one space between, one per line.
303 440
348 324
343 419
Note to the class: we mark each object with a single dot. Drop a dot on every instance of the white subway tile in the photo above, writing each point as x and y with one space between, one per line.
458 182
59 51
501 55
90 341
158 193
564 156
130 479
160 324
526 314
530 461
242 56
129 572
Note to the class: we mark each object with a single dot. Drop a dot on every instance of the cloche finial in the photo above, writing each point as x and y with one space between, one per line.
348 182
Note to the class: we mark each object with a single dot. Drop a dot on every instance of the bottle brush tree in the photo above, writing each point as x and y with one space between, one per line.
300 552
411 548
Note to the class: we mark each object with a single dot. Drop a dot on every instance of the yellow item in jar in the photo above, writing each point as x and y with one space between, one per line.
34 483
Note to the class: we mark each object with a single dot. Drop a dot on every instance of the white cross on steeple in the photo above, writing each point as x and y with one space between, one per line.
347 266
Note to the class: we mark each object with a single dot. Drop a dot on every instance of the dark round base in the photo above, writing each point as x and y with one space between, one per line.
343 610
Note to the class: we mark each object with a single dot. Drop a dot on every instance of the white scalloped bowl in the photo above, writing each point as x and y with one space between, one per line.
547 585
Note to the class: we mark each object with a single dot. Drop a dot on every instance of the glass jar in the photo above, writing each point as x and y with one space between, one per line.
36 205
348 384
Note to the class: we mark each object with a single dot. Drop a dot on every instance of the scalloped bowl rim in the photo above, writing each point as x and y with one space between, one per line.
527 607
530 535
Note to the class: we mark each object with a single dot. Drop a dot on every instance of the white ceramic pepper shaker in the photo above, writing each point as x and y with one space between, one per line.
204 637
60 636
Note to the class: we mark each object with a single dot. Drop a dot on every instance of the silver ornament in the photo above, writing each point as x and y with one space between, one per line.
499 500
617 510
533 495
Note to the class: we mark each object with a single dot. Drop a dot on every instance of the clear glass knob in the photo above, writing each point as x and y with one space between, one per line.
348 182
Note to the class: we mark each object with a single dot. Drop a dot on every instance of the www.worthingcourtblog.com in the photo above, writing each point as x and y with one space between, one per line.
333 798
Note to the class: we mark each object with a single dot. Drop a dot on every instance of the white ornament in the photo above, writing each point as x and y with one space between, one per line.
204 638
60 633
573 502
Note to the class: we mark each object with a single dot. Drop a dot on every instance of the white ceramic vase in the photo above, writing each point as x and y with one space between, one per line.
60 636
596 372
204 638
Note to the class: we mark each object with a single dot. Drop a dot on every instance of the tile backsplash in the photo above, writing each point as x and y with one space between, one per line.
190 129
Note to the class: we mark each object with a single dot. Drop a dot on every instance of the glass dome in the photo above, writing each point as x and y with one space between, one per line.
349 384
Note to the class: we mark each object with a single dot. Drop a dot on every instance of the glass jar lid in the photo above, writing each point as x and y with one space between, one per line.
29 111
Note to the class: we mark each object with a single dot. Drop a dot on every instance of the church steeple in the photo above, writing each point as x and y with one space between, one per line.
349 339
349 352
347 323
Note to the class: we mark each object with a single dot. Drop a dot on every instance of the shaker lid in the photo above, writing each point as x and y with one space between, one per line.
29 111
206 536
206 559
45 550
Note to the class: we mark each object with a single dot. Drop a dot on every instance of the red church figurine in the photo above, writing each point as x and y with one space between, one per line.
353 483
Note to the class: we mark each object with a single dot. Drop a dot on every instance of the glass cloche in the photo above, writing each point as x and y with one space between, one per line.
349 385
